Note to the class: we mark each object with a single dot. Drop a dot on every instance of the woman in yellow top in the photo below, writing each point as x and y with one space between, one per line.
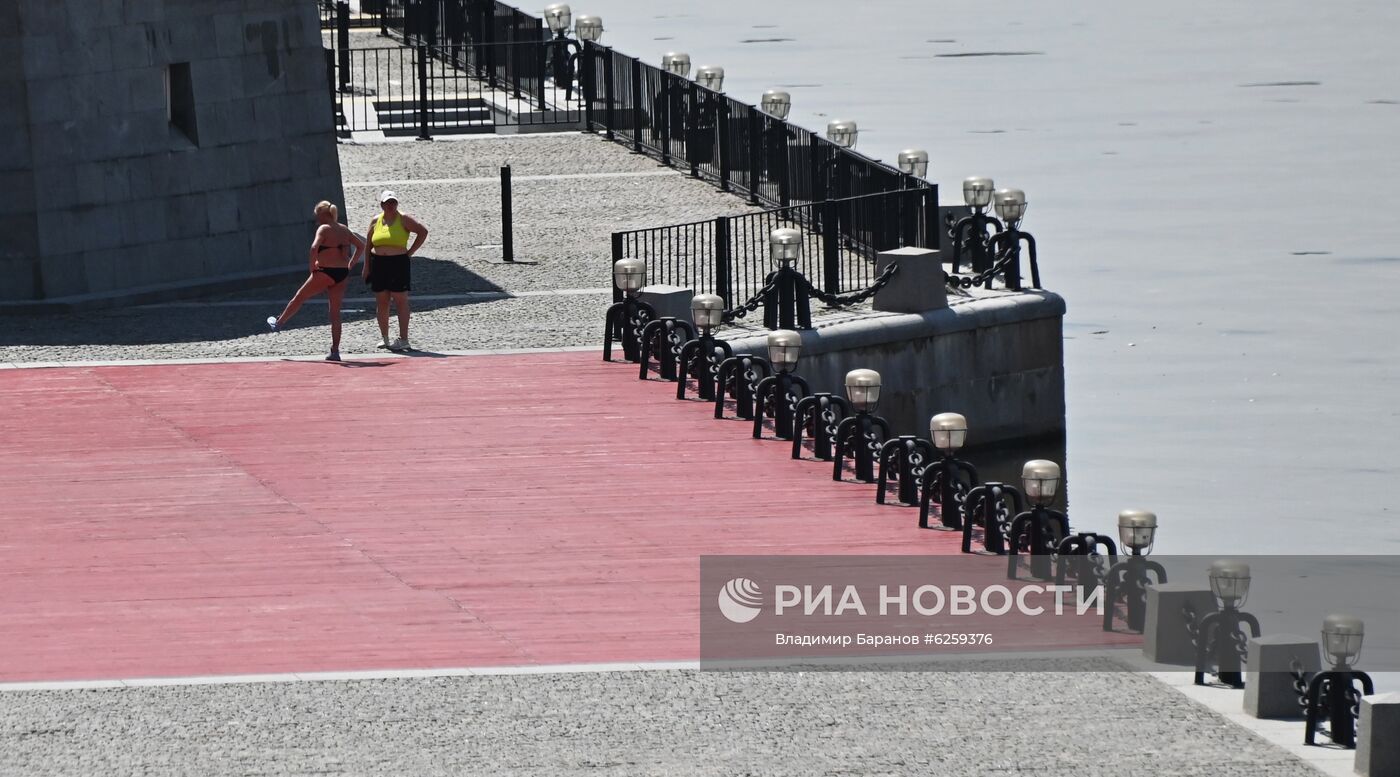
331 262
386 267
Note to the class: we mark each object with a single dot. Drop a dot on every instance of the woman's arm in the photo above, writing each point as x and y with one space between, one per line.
359 245
369 241
315 244
420 233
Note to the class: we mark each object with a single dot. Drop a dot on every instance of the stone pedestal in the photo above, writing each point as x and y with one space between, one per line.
1378 746
669 301
917 286
1164 638
1268 683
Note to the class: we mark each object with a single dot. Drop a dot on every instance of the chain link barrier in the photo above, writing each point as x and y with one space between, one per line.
968 281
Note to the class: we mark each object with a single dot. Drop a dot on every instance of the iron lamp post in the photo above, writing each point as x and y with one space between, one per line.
786 301
1333 695
626 319
564 51
1128 579
671 109
702 138
700 358
842 134
971 233
1006 245
860 436
775 139
949 477
778 394
1220 637
1039 530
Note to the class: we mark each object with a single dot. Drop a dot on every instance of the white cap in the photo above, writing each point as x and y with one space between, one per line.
387 195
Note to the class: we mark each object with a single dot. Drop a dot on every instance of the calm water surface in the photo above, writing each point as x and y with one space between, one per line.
1214 192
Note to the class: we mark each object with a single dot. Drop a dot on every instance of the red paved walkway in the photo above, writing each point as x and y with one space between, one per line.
291 516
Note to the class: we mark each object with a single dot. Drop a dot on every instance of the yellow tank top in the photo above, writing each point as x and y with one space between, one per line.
395 235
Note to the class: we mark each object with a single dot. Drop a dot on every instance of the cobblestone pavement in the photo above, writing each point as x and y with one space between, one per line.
562 228
1049 724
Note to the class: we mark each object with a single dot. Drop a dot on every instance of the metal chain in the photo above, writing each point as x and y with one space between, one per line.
753 304
1300 681
841 300
1188 613
967 282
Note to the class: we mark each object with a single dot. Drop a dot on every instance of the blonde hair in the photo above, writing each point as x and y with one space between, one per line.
324 206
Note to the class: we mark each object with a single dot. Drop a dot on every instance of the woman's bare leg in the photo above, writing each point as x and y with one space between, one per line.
317 283
381 311
336 294
401 307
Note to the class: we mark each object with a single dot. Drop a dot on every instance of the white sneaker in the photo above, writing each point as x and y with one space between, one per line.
384 342
400 344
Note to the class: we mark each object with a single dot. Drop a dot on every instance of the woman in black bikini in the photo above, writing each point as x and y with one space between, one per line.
331 263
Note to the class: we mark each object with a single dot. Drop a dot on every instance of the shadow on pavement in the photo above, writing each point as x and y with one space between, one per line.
229 317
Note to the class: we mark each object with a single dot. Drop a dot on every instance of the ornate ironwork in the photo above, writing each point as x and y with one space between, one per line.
1221 642
952 479
700 359
859 437
1077 559
1332 696
903 460
663 339
776 397
818 416
1038 532
737 378
970 237
1128 581
625 322
990 506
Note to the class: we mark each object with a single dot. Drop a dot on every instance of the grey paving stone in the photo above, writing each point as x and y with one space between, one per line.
1050 724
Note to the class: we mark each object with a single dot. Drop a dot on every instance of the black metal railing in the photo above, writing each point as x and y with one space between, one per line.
717 138
458 22
729 255
427 90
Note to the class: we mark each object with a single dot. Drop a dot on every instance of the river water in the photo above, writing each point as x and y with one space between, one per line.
1213 189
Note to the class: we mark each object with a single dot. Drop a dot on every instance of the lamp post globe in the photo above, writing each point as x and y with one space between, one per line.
1229 581
630 274
948 432
1137 530
1341 638
776 103
977 192
676 63
707 310
1010 205
588 28
913 161
863 390
784 347
785 245
1040 480
842 133
558 16
711 77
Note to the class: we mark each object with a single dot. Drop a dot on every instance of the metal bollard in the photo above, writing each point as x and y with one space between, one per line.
507 232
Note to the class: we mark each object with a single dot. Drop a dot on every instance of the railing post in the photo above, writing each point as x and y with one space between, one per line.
831 246
610 114
507 220
691 129
636 105
756 149
587 76
616 256
722 140
342 37
818 190
423 99
330 83
723 275
543 70
933 228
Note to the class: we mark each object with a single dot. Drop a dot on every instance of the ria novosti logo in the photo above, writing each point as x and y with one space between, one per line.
740 600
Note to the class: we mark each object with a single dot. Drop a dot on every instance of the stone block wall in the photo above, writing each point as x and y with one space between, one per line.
116 201
998 360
